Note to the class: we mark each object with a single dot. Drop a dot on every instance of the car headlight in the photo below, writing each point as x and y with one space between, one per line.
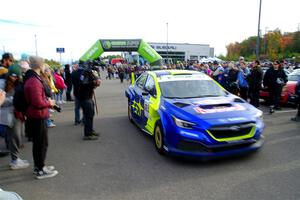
259 115
183 124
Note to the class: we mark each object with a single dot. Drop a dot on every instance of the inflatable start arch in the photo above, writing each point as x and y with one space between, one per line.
138 45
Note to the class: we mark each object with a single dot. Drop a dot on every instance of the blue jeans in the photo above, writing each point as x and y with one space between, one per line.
88 113
77 110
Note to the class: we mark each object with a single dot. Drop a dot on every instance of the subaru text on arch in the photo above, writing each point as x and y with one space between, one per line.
189 114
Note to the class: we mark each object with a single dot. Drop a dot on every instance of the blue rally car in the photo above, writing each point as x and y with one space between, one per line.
189 114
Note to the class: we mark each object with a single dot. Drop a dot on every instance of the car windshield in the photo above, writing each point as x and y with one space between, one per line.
294 77
190 89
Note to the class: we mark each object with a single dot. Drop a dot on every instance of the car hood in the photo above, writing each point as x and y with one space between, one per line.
212 110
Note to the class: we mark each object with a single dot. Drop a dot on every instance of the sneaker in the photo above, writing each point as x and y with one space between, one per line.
271 110
59 102
46 174
77 123
95 133
62 101
45 168
296 119
19 164
90 137
50 125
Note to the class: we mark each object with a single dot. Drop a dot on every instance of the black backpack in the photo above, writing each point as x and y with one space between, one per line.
19 100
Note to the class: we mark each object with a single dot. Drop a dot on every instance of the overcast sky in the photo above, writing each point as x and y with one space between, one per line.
76 25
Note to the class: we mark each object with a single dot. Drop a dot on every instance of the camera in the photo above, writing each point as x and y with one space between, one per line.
91 72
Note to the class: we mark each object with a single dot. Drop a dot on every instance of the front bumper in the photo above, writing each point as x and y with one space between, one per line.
204 152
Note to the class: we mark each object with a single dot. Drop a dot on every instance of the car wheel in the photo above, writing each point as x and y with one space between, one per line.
129 112
159 138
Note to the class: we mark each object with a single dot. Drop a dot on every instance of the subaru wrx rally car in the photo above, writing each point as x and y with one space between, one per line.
189 114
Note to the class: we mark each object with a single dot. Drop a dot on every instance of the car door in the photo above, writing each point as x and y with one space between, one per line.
149 96
137 102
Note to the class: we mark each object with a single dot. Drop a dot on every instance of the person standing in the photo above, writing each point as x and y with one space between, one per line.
68 82
274 79
6 61
13 119
88 82
255 81
76 85
37 114
233 86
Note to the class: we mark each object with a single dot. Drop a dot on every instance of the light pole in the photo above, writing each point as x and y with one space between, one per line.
258 33
167 43
35 40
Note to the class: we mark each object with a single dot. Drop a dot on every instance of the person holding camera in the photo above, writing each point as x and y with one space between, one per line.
89 80
274 80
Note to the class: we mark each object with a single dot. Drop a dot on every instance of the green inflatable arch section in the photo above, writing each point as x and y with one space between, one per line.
138 45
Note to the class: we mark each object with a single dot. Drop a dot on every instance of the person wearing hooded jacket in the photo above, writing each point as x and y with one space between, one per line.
274 79
37 114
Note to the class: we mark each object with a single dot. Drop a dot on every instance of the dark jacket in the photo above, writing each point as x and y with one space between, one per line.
275 78
35 96
87 85
76 82
255 78
68 77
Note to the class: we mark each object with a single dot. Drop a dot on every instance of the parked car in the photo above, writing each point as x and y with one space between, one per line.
189 114
288 91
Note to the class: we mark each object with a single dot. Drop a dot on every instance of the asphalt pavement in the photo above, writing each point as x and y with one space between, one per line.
123 163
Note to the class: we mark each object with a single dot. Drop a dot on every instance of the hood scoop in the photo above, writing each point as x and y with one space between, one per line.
216 106
238 100
181 105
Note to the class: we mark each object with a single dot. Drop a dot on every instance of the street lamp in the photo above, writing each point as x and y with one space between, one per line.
258 32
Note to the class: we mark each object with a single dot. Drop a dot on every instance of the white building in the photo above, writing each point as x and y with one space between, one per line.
182 51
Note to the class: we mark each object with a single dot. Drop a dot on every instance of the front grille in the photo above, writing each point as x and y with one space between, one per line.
230 131
198 147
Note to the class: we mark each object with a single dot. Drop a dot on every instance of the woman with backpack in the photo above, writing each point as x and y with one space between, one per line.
13 119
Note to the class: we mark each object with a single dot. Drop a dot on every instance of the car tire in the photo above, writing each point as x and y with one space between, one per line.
159 138
129 112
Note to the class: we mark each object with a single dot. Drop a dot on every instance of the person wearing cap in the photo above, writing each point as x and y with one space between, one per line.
6 61
10 119
217 68
274 79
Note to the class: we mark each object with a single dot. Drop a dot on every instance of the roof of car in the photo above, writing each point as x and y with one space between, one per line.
160 73
168 75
